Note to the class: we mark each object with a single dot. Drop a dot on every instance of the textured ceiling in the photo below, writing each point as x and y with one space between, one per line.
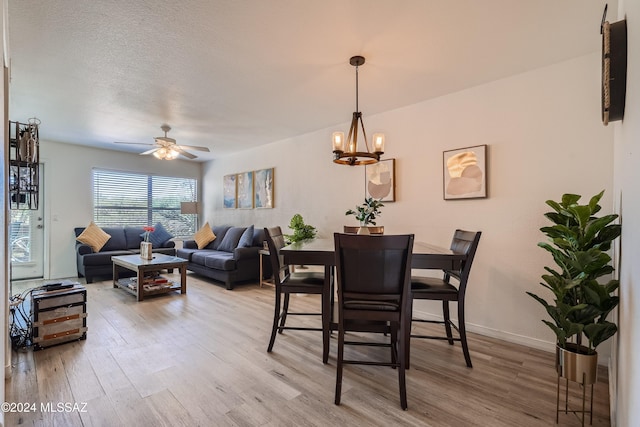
234 74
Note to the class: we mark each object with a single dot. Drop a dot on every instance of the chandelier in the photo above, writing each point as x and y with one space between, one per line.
345 152
165 153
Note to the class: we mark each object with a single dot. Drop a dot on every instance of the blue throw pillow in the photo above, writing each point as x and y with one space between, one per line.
246 241
158 236
231 239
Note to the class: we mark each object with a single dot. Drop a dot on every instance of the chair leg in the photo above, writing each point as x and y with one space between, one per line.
463 334
447 320
407 333
285 310
402 348
394 342
276 316
339 364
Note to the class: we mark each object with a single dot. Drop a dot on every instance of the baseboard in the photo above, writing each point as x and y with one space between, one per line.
613 394
548 346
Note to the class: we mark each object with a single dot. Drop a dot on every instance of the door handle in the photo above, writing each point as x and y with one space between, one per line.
39 226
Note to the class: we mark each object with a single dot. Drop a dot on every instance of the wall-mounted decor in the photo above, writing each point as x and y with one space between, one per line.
24 166
263 188
380 180
465 173
245 190
229 191
614 68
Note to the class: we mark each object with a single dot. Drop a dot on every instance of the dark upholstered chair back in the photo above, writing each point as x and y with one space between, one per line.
465 242
275 241
373 267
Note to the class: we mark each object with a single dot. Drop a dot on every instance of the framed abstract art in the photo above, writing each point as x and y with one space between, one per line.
465 173
263 188
229 191
245 190
380 180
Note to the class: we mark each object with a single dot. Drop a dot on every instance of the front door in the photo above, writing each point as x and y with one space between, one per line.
26 241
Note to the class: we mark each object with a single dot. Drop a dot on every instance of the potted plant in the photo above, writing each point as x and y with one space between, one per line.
366 213
578 243
301 231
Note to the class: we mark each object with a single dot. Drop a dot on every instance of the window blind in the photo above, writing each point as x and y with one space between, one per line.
134 199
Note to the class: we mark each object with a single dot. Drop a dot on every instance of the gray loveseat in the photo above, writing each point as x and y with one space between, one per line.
231 258
123 241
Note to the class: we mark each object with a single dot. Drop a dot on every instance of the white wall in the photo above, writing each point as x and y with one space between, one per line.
626 178
545 138
5 349
68 193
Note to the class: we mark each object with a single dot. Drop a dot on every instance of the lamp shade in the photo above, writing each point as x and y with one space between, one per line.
189 208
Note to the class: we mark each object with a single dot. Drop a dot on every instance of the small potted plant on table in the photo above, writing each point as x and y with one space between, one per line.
366 213
301 231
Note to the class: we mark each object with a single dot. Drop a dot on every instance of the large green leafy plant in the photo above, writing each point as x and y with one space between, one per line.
367 212
301 231
578 243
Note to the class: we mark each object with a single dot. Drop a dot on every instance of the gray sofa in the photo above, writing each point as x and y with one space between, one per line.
123 241
231 258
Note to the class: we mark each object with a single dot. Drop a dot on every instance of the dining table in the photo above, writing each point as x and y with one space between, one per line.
321 252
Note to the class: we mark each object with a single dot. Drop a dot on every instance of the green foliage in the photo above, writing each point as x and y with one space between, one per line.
301 231
367 212
578 242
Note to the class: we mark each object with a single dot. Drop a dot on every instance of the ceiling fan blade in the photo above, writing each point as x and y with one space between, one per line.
165 139
132 143
194 147
153 150
184 153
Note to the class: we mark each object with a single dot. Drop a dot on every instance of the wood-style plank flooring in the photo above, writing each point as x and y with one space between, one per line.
200 359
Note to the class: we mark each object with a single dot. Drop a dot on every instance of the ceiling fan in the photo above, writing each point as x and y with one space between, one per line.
165 148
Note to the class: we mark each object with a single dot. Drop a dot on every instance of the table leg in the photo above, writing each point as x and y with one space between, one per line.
183 279
261 273
115 275
140 288
326 311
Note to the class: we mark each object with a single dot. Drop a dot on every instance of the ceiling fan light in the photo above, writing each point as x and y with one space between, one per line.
172 154
159 154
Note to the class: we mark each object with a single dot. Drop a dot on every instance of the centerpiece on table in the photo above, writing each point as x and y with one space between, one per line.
301 231
366 213
145 245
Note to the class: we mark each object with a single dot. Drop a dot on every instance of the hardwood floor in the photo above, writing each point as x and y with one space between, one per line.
200 359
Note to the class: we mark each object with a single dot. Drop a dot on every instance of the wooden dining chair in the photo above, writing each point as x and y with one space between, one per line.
430 288
287 283
373 274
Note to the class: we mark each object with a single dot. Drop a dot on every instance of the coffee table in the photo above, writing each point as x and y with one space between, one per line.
142 266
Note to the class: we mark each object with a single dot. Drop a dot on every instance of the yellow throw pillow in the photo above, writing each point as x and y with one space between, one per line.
204 236
94 236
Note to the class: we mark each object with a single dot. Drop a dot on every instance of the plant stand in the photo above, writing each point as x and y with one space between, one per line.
575 365
566 409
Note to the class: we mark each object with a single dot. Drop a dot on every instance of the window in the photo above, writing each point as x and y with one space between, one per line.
126 198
